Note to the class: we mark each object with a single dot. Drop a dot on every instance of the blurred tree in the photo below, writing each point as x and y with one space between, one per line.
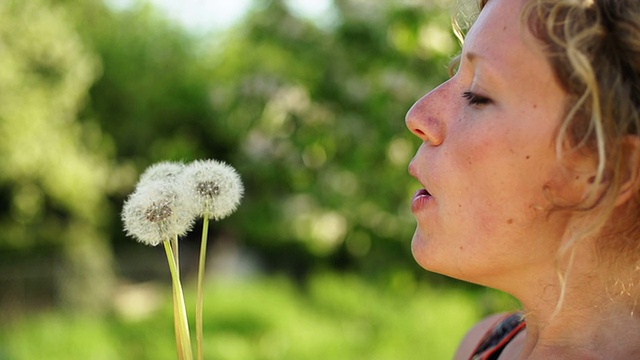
152 96
53 170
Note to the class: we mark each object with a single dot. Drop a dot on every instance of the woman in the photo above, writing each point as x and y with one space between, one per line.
530 166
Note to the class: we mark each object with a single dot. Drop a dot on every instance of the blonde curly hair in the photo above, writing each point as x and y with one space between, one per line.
593 47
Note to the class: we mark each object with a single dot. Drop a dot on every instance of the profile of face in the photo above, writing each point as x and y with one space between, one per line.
488 153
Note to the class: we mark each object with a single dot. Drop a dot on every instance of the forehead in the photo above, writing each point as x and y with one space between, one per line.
496 29
499 38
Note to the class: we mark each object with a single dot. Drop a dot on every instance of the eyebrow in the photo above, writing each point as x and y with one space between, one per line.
490 72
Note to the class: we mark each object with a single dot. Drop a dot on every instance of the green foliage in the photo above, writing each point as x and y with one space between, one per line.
47 158
53 170
334 316
152 96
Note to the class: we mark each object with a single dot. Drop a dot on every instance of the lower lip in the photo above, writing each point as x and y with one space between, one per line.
420 200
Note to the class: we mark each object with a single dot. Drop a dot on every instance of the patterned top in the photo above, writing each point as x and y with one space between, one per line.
497 338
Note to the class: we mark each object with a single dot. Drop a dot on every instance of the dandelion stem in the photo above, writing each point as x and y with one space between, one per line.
176 326
200 290
184 347
176 313
176 253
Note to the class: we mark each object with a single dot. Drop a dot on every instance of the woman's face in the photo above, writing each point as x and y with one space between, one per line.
488 153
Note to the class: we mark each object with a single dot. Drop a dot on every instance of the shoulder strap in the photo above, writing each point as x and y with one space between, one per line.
498 337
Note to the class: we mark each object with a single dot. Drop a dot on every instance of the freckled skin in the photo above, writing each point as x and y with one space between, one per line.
472 160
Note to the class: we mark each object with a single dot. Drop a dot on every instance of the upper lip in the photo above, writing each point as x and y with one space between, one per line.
412 169
423 192
414 172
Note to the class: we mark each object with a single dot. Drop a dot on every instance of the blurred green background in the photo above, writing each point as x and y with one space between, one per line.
309 108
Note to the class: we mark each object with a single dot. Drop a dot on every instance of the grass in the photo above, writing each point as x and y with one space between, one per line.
333 316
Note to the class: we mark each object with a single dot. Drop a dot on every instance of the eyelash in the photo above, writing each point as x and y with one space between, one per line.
475 99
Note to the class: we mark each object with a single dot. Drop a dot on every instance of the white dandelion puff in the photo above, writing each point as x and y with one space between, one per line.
213 187
162 171
156 212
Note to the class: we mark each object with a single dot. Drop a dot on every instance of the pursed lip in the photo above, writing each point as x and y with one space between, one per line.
421 199
422 192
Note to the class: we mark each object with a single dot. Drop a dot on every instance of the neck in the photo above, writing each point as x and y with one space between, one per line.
594 318
609 331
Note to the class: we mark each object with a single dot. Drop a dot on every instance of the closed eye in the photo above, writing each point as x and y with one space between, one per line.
475 99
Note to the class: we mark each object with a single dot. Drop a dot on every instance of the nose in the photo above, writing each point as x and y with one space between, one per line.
425 118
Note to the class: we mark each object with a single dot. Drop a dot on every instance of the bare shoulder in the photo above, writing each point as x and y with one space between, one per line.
474 336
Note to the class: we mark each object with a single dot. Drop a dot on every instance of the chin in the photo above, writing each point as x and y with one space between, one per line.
421 252
436 259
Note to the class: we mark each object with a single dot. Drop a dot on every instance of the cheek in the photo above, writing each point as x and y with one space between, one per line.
486 218
504 183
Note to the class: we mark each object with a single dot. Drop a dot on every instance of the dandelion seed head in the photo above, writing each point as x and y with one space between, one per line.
162 171
156 212
208 189
213 187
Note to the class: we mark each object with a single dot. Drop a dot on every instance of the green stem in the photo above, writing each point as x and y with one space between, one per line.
176 253
184 348
176 326
200 290
176 313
